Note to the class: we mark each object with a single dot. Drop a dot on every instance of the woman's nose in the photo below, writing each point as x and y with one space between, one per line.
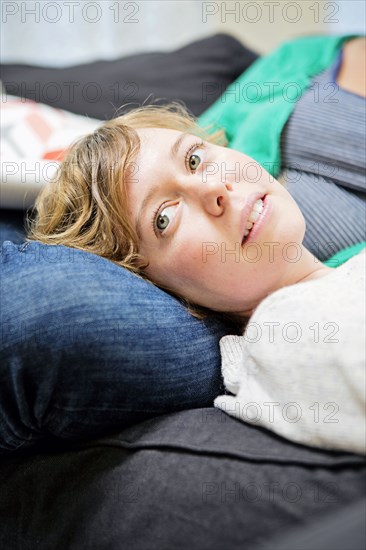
214 195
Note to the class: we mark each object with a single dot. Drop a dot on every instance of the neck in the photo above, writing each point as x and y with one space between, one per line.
306 269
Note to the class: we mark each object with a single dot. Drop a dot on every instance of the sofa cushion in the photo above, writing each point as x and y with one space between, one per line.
192 479
12 225
196 74
88 347
31 130
343 529
34 139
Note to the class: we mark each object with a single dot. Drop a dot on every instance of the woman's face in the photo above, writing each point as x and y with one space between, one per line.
191 201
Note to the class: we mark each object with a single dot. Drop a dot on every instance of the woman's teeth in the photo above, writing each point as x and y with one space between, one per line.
255 213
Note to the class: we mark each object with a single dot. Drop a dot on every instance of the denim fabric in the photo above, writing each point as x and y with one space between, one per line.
88 348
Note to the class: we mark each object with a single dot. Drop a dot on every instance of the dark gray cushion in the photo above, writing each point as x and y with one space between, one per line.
196 74
12 225
196 479
346 528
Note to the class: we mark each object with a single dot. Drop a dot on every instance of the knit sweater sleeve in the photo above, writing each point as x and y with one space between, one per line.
299 367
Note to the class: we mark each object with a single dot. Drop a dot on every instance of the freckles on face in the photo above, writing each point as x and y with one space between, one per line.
202 258
178 261
205 275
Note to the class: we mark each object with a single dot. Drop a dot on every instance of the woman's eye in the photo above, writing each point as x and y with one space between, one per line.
163 219
195 159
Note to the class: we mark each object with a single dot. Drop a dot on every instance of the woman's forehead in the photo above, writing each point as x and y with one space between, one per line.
158 146
156 136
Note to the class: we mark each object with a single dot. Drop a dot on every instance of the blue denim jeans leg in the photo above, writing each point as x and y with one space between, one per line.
88 348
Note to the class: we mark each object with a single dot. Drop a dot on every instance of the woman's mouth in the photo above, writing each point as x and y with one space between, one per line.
256 219
254 215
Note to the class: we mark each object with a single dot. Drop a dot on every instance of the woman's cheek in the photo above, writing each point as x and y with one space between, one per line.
192 257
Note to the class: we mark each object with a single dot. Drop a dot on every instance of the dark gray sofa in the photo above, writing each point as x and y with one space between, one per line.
193 479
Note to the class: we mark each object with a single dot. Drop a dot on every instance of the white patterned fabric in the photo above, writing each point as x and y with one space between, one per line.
34 138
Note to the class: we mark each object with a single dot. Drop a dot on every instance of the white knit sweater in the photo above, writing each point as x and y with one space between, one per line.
299 368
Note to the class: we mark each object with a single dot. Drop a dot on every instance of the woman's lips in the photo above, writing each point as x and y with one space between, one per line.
247 210
261 221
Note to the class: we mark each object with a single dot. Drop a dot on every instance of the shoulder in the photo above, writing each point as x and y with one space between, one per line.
352 73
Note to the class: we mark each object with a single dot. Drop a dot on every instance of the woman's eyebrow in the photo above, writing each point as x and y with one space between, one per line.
154 188
175 148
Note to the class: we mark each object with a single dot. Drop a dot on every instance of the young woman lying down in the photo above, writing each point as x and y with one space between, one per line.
159 195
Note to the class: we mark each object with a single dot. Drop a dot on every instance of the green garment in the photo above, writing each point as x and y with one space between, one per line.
345 254
254 109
